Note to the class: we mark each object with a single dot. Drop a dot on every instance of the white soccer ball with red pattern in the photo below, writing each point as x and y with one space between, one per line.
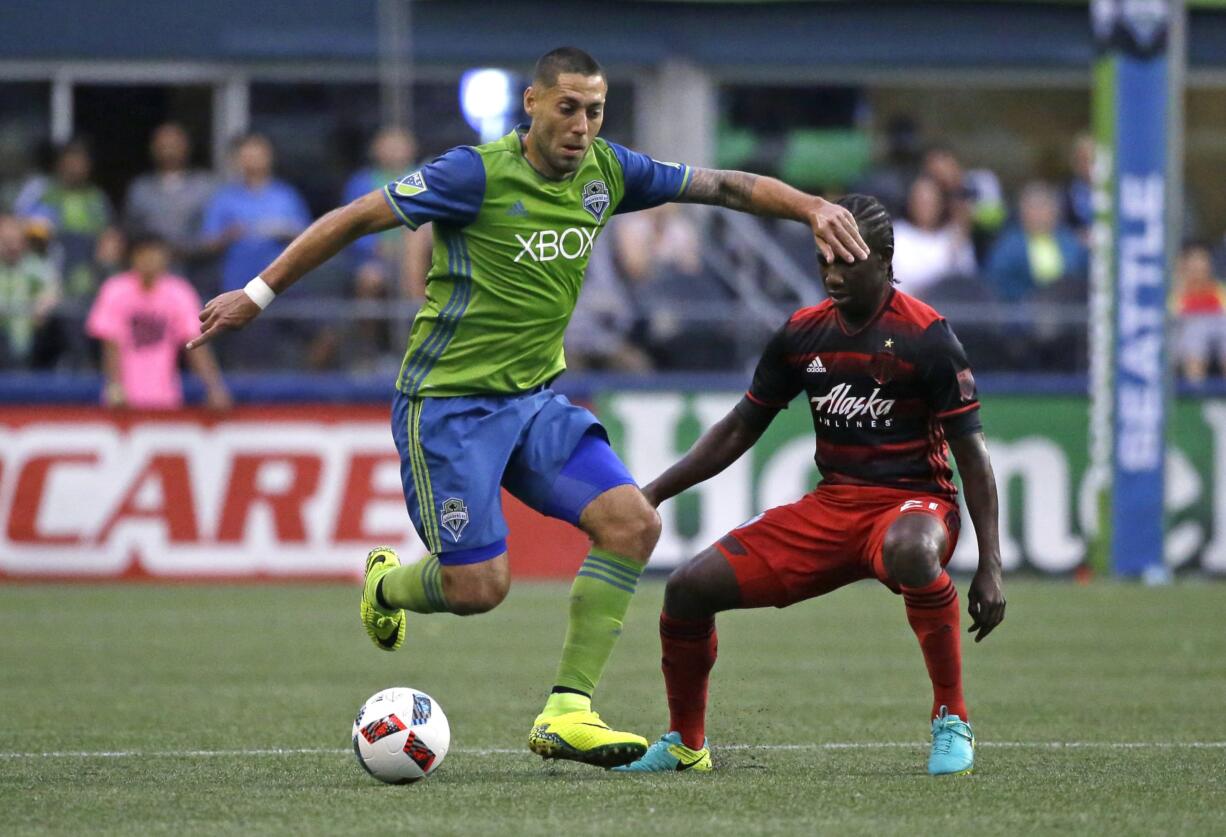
400 736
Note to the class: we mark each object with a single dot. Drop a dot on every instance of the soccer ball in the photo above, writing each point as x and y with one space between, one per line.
401 735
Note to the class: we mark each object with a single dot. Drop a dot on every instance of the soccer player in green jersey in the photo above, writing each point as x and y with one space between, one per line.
514 222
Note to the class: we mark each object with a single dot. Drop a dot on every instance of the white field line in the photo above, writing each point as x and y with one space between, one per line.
506 751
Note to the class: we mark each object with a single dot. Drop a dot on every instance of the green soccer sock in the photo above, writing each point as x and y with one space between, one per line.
416 587
598 602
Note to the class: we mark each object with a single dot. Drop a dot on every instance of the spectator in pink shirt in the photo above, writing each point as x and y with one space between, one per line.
143 318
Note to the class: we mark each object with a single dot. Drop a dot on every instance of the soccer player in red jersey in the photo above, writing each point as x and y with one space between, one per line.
891 393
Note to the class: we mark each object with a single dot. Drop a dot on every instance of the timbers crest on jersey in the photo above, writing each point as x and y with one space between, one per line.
596 198
884 365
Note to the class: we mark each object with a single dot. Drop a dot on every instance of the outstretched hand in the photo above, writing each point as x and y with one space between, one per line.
985 603
838 236
227 312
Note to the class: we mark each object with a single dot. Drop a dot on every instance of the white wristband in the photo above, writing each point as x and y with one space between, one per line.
259 292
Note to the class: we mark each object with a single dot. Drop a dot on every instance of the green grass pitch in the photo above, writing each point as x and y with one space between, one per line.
150 709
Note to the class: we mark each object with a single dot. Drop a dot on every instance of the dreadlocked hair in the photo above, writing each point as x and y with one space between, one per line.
875 225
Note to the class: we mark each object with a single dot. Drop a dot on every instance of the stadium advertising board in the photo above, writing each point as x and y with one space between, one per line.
268 493
296 492
1039 451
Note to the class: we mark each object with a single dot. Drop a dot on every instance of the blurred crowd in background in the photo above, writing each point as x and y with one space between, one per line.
676 288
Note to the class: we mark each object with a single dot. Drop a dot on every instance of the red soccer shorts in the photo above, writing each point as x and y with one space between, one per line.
830 537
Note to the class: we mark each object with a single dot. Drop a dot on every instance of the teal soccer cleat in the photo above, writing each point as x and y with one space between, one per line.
669 755
953 746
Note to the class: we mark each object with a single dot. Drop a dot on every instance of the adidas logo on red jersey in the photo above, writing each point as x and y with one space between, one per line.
816 365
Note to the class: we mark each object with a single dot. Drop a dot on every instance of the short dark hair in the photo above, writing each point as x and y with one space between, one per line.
564 60
940 147
172 124
76 145
252 136
875 225
145 241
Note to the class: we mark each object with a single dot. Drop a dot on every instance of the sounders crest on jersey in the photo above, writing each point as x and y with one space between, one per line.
596 198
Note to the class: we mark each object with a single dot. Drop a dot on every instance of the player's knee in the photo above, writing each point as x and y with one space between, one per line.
701 588
632 532
648 530
470 596
912 555
682 593
476 600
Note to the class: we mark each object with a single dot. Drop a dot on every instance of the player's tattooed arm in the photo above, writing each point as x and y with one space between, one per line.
986 599
731 189
719 447
834 227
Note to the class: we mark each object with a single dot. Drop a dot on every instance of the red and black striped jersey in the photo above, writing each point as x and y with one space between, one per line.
884 397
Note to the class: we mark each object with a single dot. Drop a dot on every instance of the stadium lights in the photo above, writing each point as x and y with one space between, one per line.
487 101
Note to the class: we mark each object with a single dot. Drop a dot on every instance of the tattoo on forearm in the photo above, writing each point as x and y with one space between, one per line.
720 188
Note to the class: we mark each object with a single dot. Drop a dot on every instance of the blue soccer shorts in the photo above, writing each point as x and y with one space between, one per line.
456 453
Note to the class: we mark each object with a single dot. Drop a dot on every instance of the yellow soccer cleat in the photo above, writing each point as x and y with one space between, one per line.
582 736
386 628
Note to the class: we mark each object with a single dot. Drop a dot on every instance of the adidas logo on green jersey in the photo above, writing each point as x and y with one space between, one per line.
518 210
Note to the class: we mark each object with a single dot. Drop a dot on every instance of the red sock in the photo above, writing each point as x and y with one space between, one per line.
689 648
932 611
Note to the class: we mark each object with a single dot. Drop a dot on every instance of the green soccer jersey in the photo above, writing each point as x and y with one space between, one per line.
510 251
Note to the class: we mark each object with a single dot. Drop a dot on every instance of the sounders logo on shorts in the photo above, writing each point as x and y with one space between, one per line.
454 517
411 184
